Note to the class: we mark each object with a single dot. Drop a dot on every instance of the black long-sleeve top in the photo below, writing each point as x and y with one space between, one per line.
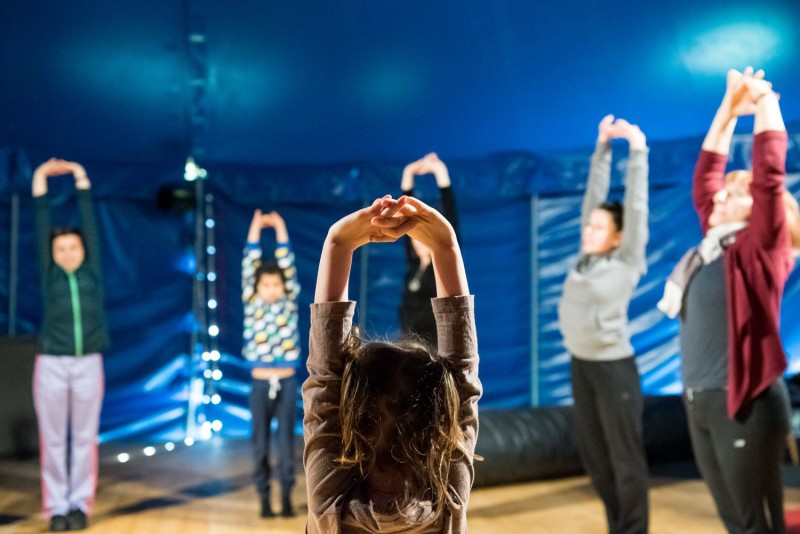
419 286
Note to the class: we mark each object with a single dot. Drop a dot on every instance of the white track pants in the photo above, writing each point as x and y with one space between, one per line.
68 396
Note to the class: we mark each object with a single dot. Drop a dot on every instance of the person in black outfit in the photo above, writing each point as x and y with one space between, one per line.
419 284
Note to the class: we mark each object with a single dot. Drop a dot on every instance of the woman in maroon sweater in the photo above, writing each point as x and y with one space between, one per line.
728 296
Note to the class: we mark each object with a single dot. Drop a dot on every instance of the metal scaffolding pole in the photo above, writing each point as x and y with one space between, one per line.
13 265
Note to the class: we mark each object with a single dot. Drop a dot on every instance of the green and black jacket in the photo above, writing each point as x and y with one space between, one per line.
74 322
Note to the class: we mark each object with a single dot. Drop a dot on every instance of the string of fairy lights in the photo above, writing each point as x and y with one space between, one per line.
204 354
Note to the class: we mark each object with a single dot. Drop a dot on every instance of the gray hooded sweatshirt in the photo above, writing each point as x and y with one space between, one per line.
593 311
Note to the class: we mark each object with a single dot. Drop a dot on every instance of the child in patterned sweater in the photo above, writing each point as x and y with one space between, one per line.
271 344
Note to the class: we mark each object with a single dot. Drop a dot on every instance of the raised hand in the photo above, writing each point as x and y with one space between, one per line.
739 99
631 132
58 167
756 88
272 220
435 233
53 167
765 101
77 170
267 220
609 129
357 229
432 164
275 221
605 129
429 226
429 164
351 232
409 172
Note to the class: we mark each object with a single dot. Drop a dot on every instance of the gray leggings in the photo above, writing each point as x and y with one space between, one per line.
740 459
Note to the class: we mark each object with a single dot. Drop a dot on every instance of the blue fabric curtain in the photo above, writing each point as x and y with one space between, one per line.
520 228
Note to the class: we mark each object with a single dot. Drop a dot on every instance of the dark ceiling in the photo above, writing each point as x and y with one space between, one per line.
265 82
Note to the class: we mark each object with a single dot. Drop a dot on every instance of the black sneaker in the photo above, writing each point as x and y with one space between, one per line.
266 509
58 523
287 510
76 520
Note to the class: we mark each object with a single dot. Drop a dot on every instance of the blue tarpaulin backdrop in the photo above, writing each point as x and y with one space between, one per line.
520 231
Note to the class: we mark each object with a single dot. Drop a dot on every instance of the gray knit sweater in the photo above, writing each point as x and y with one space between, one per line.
593 311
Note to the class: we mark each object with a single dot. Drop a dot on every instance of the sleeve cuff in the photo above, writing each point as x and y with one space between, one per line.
445 305
341 309
602 147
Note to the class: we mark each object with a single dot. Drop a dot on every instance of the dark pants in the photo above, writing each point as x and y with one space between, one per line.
263 409
608 415
740 459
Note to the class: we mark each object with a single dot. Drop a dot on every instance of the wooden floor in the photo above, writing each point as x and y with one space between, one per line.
207 489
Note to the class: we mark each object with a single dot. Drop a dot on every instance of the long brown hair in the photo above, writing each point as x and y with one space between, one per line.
399 408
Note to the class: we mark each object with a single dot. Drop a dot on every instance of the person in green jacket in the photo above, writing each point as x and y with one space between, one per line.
68 380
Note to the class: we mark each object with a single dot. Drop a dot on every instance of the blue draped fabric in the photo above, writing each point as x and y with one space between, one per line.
519 225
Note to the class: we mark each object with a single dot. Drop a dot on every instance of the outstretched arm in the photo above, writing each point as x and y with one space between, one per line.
283 252
348 234
635 233
768 216
51 167
410 172
251 256
435 166
709 172
599 170
91 238
768 116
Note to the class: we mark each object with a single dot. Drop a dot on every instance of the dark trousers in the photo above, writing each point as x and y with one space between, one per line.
608 415
740 459
263 408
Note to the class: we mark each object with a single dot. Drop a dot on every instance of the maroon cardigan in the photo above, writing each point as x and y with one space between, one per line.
756 267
